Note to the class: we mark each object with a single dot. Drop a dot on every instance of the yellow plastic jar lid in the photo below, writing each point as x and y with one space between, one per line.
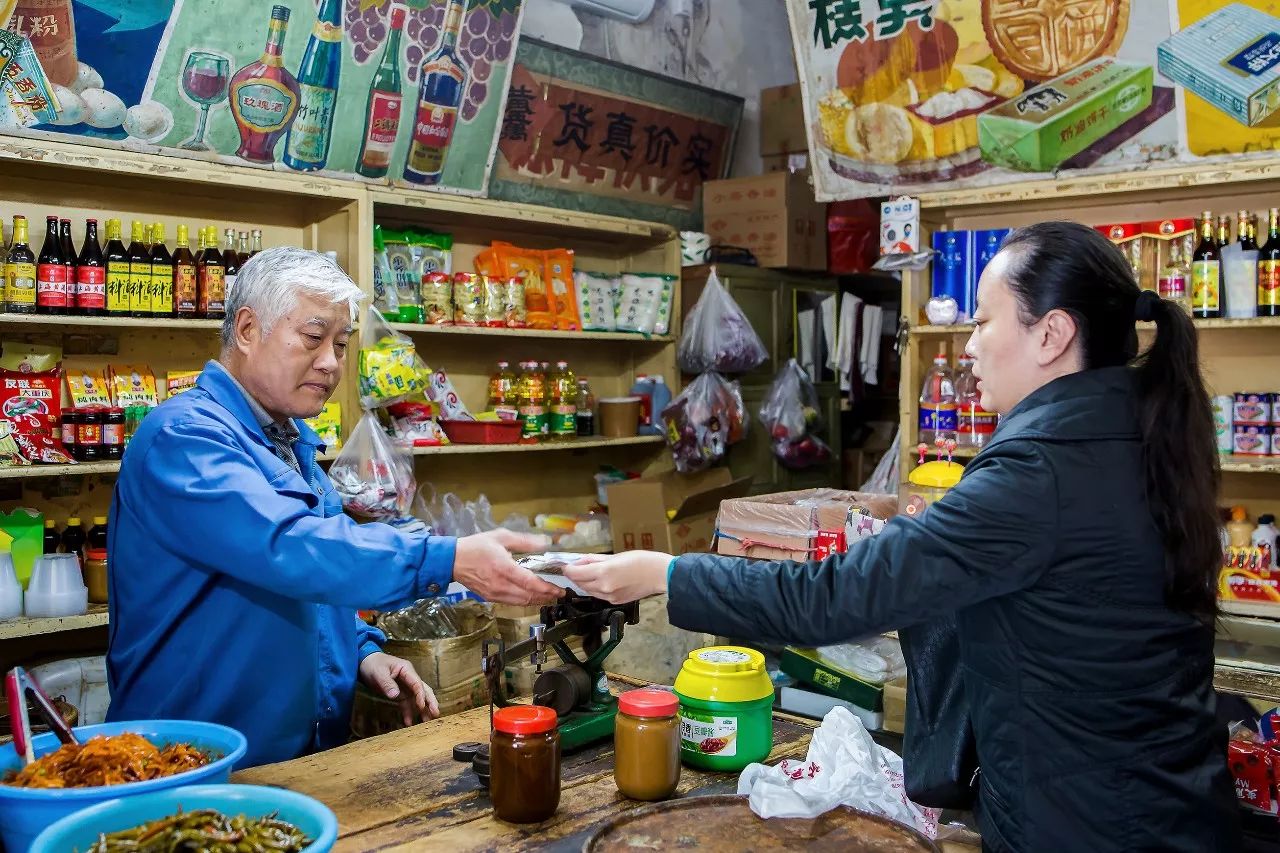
724 674
936 474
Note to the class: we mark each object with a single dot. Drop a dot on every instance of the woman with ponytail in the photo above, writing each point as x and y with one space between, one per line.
1077 557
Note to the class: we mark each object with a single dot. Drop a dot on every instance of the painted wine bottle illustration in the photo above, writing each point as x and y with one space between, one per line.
264 95
306 148
443 81
382 113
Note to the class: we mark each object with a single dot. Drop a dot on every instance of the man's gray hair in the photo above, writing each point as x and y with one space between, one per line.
270 281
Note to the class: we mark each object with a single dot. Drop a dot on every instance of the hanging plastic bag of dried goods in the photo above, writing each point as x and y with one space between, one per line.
373 477
790 413
718 336
390 370
703 421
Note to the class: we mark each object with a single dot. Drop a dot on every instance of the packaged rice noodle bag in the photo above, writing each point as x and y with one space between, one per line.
89 388
437 299
560 282
662 324
468 299
495 302
389 369
405 263
385 295
133 385
595 301
436 250
530 266
487 263
639 304
517 316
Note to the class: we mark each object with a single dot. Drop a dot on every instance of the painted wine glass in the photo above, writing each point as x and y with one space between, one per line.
204 82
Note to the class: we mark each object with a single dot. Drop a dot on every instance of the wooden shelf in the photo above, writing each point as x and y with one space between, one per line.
1222 323
11 629
109 322
576 444
86 469
1251 464
545 334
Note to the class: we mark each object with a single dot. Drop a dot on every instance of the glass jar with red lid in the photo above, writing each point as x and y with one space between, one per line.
113 433
646 740
89 435
524 764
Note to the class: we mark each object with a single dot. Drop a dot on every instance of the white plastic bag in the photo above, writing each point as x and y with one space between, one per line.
790 413
372 476
389 369
844 767
718 336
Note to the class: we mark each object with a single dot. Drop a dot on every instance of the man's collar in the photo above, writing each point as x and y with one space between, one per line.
228 391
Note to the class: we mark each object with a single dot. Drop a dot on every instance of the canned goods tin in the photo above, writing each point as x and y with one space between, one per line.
1252 440
1252 408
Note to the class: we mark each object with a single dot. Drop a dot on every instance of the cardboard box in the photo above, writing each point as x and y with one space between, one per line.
448 665
805 665
672 512
782 121
895 705
1230 58
773 215
810 524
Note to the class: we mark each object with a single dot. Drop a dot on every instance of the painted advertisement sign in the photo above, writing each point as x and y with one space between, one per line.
904 96
407 92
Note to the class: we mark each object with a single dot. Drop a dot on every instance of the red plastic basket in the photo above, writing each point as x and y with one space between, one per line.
482 432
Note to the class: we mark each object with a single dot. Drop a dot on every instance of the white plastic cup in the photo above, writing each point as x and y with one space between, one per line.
10 589
57 587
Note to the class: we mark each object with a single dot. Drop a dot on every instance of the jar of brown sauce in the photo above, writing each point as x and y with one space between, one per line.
647 744
524 764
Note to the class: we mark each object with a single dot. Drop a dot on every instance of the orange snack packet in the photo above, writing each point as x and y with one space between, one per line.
529 265
559 265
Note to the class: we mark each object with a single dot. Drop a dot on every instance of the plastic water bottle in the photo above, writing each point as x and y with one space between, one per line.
938 409
660 398
974 424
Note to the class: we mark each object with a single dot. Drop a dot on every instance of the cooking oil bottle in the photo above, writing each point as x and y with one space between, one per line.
532 403
502 388
564 403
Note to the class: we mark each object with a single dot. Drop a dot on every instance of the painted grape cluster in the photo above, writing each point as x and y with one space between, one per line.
485 41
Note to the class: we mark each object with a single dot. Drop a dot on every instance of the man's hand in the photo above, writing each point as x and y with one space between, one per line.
621 579
483 564
396 679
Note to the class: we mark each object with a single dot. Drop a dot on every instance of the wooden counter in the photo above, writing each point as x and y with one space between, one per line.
403 791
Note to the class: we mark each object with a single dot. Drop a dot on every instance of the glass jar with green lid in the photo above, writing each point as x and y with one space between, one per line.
726 709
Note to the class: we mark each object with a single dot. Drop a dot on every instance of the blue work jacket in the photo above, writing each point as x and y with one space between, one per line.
234 580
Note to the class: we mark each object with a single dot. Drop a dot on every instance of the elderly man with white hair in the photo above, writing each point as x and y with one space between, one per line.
235 576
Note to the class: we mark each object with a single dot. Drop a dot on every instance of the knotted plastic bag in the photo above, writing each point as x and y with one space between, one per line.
844 767
373 477
703 421
390 370
790 413
718 336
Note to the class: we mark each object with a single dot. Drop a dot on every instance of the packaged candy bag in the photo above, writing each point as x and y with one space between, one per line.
595 301
718 336
703 421
790 414
385 295
389 368
373 477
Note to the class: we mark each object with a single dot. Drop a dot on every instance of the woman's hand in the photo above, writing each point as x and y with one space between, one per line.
626 577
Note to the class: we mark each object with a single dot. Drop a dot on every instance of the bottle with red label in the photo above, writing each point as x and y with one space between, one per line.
91 274
443 81
382 113
938 410
51 273
69 259
975 425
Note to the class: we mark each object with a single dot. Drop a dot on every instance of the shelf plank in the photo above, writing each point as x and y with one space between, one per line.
12 629
549 334
1250 464
1220 323
86 469
109 322
1247 678
576 444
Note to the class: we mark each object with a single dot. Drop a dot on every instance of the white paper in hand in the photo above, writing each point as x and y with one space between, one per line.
844 767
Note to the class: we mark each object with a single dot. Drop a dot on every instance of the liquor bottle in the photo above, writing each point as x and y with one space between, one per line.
139 272
1172 282
161 274
91 274
117 272
1206 266
1242 232
242 248
211 292
443 79
184 276
51 272
264 95
20 272
69 259
4 263
306 148
1224 231
230 263
1269 268
257 243
382 112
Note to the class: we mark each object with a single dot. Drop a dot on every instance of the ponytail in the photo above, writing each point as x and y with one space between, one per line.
1071 267
1180 456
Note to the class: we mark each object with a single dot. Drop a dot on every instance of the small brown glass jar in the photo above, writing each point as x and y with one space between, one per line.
95 574
524 764
646 744
89 435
